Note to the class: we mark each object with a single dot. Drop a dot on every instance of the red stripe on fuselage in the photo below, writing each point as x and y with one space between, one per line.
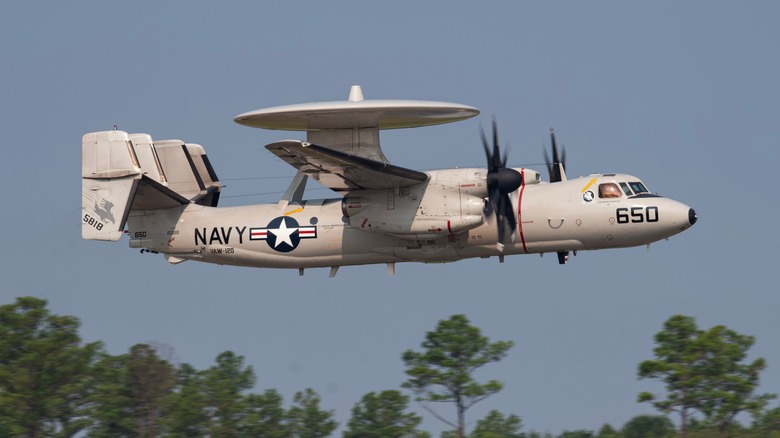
520 209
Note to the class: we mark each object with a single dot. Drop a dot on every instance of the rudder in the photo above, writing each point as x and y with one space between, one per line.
110 174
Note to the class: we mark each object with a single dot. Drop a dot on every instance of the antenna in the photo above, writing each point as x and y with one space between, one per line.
356 94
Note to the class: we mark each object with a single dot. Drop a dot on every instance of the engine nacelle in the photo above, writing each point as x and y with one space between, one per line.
401 213
452 201
473 181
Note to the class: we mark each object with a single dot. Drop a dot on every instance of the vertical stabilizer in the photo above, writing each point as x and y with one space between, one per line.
121 172
109 175
188 171
147 157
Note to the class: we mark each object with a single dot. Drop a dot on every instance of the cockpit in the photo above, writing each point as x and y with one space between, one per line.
628 187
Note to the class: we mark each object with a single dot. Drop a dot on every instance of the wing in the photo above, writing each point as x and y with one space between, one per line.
342 172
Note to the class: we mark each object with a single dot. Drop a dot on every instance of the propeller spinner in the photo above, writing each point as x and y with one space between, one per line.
501 181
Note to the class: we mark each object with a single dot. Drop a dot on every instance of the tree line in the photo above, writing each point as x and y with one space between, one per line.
54 385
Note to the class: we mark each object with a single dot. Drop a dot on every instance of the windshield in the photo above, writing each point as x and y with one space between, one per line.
638 187
609 190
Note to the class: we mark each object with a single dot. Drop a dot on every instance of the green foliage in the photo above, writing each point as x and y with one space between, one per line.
677 354
112 399
580 433
730 382
265 416
45 372
131 393
535 434
151 380
649 426
306 420
443 371
186 406
382 416
223 385
52 385
496 425
607 431
214 402
704 371
767 423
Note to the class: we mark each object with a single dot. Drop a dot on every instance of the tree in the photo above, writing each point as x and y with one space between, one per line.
703 371
213 402
45 372
607 431
535 434
264 416
111 399
580 433
186 407
730 382
382 416
223 386
496 425
677 354
305 418
151 380
768 423
649 426
131 392
443 371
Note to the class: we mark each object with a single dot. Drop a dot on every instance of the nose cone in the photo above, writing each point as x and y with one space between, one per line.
677 217
692 216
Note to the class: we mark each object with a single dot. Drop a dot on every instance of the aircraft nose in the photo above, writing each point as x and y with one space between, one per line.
692 216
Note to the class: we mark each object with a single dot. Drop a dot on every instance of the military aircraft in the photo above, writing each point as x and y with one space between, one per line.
166 193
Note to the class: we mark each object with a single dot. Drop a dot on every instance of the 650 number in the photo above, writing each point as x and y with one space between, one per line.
636 215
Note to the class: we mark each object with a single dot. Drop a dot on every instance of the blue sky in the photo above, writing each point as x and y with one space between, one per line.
684 96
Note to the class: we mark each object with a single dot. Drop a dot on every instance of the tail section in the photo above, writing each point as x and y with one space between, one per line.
123 172
110 174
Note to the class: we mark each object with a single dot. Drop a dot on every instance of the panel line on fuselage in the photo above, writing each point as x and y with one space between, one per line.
520 210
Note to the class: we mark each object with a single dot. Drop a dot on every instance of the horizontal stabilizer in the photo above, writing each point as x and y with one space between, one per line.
151 195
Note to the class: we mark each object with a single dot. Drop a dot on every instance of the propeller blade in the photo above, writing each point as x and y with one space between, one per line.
557 166
509 214
554 146
488 153
496 153
505 221
501 181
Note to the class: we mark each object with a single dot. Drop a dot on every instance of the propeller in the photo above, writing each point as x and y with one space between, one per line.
557 166
501 181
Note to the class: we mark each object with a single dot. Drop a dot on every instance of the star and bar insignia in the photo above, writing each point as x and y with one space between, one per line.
283 234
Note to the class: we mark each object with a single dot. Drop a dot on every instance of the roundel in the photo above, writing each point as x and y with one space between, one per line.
588 196
283 234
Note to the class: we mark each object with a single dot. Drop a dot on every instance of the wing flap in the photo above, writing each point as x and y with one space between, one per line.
340 171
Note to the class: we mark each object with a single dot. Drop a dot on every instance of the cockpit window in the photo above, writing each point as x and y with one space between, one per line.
638 187
626 190
609 190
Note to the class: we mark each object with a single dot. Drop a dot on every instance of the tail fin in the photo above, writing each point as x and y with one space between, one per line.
110 173
123 172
